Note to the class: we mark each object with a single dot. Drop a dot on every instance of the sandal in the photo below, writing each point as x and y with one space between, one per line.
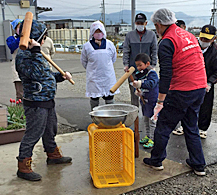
178 131
203 134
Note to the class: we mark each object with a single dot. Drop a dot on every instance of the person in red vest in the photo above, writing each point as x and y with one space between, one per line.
182 87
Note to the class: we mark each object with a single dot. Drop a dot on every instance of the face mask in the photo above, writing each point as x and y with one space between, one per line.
140 28
204 44
98 36
17 31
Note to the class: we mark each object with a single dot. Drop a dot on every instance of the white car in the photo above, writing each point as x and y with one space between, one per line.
60 47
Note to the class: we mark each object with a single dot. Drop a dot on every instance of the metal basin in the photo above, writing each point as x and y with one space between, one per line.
131 109
108 118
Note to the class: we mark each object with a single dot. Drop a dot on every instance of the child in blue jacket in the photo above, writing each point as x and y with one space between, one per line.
147 82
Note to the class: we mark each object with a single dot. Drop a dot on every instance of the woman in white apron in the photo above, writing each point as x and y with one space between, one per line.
97 57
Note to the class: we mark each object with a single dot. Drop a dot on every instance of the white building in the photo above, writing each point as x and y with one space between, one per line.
120 29
10 11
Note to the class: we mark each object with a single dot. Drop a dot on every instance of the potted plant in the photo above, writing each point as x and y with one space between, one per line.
16 123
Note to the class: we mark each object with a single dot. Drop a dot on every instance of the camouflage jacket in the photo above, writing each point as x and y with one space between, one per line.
39 82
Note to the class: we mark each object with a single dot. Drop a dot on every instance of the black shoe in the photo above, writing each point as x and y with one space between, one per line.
155 166
29 176
59 160
198 169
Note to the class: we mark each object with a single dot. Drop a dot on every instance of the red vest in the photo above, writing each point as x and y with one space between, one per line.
188 62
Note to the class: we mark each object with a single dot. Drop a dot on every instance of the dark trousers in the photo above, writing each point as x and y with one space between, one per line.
40 122
179 106
205 113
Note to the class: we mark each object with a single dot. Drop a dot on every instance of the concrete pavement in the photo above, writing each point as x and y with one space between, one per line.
73 108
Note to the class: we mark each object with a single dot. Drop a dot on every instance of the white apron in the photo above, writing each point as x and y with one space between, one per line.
100 74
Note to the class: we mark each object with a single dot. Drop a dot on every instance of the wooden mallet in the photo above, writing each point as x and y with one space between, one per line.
122 79
24 41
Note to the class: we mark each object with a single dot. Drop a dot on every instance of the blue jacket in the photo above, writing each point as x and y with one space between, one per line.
39 82
150 90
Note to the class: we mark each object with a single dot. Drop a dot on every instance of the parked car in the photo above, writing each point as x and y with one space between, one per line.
75 48
119 46
60 47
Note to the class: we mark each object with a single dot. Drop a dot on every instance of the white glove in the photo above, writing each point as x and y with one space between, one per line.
67 76
157 109
208 87
138 93
126 68
137 84
33 43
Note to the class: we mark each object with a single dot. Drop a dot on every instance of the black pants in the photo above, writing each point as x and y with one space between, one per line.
205 113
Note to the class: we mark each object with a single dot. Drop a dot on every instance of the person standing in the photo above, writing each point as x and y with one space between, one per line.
209 49
48 48
13 44
181 91
138 41
181 24
97 57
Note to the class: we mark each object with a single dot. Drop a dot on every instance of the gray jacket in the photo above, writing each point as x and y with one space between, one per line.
133 46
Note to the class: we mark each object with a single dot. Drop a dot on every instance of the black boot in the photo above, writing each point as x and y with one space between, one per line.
57 158
25 171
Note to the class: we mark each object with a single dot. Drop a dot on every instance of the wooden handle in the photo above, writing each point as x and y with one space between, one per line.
122 79
55 66
132 79
27 25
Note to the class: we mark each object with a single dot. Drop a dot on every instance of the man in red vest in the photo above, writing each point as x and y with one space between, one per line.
181 90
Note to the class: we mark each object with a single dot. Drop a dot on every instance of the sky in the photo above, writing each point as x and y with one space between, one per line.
88 7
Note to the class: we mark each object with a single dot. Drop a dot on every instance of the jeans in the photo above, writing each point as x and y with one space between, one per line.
40 122
181 106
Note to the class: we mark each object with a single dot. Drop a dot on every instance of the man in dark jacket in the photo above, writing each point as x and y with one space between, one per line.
209 49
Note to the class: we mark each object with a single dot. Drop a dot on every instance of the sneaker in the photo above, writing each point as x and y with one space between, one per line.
178 131
203 134
155 166
149 144
144 140
198 170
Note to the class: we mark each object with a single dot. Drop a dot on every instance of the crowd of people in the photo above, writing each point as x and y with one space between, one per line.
178 100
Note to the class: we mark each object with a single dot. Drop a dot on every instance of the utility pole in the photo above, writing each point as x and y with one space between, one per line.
133 8
103 11
3 9
212 19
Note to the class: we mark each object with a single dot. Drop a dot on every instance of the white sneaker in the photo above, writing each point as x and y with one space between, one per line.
178 131
203 134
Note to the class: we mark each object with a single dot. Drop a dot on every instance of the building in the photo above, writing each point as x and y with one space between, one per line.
10 11
118 29
68 23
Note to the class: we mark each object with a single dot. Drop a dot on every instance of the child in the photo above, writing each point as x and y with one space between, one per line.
39 84
13 44
148 82
97 57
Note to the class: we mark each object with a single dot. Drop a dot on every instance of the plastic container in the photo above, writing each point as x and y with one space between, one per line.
111 154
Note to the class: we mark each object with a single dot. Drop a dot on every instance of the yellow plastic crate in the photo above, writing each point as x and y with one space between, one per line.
111 154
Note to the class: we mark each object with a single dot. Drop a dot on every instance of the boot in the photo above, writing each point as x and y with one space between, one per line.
25 171
109 101
57 158
94 103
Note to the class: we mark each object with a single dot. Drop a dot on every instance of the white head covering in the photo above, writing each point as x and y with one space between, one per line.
164 17
97 25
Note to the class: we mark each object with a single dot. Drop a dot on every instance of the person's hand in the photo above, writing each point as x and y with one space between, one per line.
67 76
208 87
138 93
157 109
98 42
137 84
126 68
33 43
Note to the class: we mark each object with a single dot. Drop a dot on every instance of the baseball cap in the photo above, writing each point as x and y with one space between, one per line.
180 22
208 31
15 23
140 17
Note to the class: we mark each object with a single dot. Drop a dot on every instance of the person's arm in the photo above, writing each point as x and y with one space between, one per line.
126 52
151 82
154 51
114 53
212 79
52 49
84 58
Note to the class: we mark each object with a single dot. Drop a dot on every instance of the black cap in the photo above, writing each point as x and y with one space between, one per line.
180 22
140 17
208 31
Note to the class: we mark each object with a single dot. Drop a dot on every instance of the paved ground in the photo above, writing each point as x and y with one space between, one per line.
73 108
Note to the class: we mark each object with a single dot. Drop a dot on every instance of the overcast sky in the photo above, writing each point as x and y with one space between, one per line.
87 7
